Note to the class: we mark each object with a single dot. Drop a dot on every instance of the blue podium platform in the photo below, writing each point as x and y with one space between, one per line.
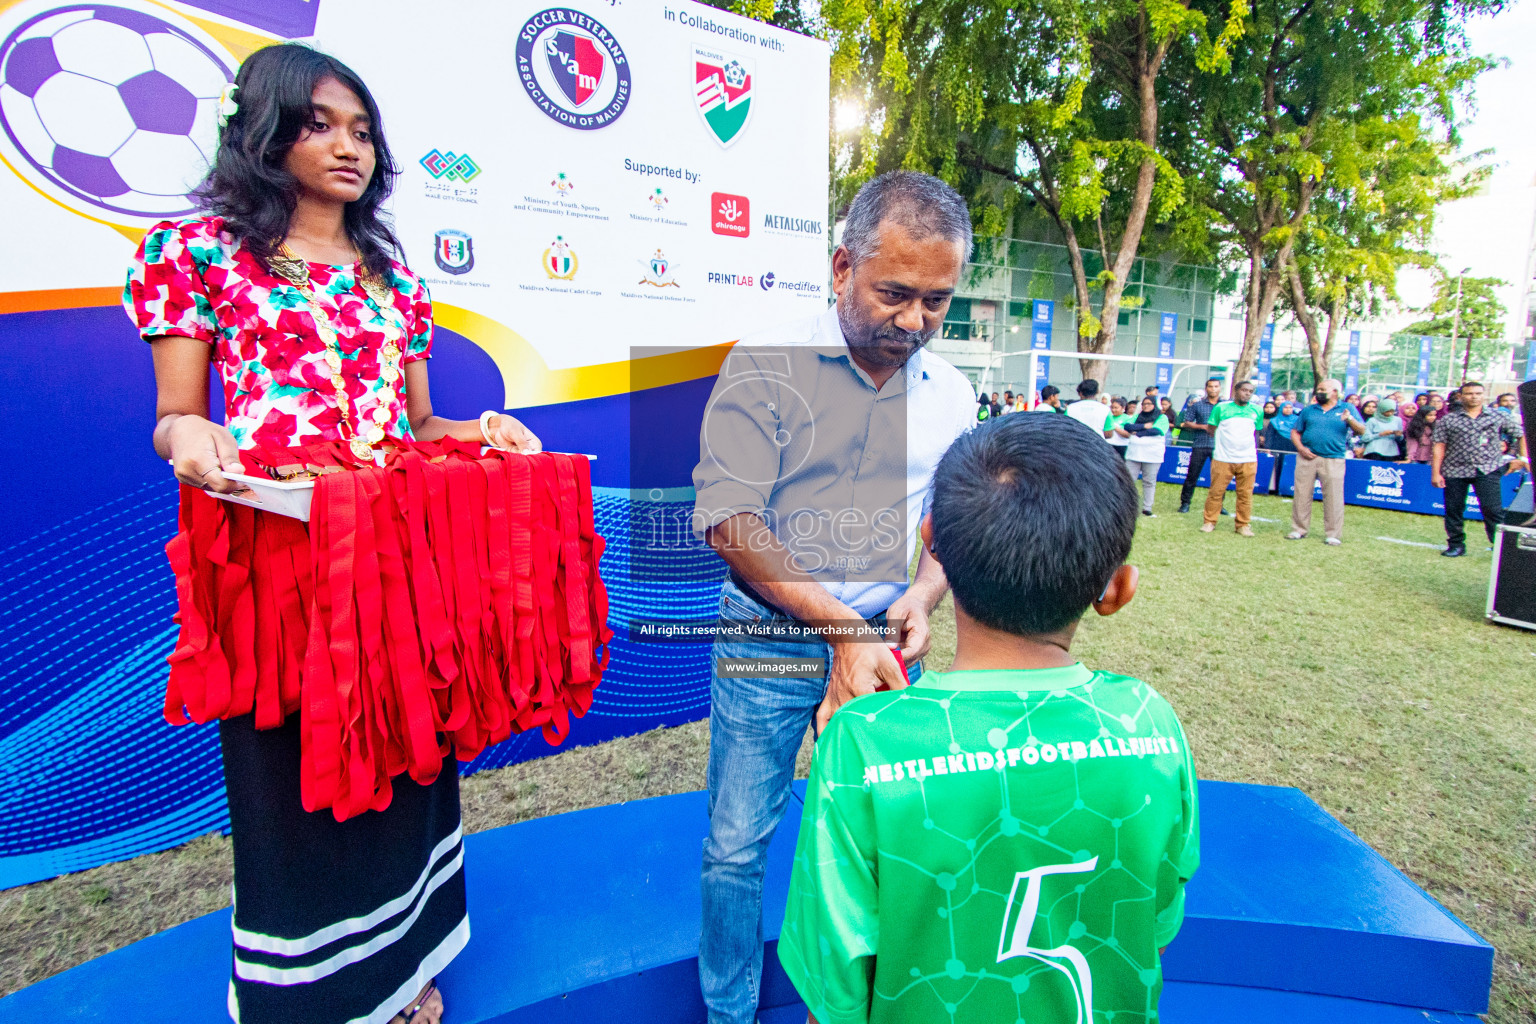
593 916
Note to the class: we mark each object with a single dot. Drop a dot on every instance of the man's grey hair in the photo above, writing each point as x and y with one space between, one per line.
1332 385
921 203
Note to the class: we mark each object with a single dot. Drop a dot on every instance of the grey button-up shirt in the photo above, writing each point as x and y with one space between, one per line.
797 434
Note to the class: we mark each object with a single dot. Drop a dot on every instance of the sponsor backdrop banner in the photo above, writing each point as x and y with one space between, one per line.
1167 332
1040 340
577 180
1399 485
1530 360
1176 470
1426 347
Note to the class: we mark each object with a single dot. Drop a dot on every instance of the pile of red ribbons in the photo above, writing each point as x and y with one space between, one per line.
429 608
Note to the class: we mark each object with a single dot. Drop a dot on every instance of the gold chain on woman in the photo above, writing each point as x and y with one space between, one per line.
362 439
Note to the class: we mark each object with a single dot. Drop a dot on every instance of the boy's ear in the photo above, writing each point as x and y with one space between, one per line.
1118 594
925 530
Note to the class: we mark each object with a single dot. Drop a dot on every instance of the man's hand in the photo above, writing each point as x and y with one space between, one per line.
1514 466
857 669
1306 453
916 637
1437 479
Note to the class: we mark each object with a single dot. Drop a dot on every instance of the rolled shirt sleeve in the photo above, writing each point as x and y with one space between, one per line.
740 458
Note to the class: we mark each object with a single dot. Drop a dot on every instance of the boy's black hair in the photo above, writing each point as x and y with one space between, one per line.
1087 388
1048 391
1032 515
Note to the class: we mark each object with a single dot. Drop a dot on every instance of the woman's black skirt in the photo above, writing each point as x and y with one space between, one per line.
336 922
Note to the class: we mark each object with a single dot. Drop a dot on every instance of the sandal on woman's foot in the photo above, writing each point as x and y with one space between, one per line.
409 1014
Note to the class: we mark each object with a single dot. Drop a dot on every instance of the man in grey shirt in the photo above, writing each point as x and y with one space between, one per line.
816 456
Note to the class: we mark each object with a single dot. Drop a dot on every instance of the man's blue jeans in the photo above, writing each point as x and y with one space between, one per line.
755 730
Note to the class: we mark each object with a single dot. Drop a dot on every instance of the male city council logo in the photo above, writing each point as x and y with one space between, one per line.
659 272
722 92
110 109
454 252
560 261
573 68
450 165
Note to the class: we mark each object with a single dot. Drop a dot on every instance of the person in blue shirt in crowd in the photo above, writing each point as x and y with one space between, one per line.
1321 437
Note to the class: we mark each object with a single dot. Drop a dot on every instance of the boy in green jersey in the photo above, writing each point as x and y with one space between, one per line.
1007 840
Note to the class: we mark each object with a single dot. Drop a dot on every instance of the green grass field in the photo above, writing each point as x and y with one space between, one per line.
1364 675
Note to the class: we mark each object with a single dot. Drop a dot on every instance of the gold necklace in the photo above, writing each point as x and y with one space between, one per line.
296 271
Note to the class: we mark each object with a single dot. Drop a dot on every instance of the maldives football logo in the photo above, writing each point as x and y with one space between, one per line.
573 68
659 272
110 109
454 252
722 92
560 261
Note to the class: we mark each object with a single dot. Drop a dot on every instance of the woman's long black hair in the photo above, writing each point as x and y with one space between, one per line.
250 187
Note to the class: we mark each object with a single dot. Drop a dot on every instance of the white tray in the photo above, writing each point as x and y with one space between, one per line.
286 498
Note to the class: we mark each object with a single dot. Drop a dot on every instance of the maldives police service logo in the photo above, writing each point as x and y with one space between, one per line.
454 252
722 91
573 68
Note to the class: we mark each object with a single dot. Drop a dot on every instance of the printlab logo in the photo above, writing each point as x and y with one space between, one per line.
454 252
559 260
730 215
1076 967
732 280
573 68
563 185
659 272
450 165
722 91
658 200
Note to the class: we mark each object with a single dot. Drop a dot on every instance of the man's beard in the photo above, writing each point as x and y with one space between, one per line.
879 344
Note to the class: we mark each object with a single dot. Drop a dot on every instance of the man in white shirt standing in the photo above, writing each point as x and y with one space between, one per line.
1088 410
816 457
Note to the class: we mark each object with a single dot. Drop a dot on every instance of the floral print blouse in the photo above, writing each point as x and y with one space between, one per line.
192 279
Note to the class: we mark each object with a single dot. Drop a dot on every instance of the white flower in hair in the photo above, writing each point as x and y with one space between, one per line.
228 108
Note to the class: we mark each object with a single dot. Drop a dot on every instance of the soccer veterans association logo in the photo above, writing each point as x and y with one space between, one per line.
722 88
454 252
560 261
573 68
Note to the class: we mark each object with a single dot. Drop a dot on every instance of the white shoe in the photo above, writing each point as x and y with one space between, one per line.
1332 542
1295 535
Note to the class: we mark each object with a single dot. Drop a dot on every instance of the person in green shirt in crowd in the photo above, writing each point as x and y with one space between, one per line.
1114 427
1008 839
1236 425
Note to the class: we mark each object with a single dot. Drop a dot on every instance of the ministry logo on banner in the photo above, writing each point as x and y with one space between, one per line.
722 87
573 68
454 252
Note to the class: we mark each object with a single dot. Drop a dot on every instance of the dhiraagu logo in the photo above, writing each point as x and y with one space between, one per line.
1019 923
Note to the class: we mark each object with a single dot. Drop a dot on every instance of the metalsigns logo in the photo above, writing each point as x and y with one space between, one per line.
730 215
450 165
780 225
659 272
560 261
573 68
454 252
722 92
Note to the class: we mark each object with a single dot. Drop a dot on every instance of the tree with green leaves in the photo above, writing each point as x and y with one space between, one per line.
1045 105
1315 85
1476 322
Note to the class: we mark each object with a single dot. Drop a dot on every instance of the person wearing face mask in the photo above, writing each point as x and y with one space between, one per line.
1321 437
816 456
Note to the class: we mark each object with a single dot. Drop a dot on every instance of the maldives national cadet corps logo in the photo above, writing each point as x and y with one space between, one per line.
560 262
110 109
454 252
573 68
722 89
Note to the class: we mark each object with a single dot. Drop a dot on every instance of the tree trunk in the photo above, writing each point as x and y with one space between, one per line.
1335 318
1308 321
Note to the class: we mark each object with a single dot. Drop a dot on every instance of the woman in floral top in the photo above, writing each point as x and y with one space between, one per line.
289 289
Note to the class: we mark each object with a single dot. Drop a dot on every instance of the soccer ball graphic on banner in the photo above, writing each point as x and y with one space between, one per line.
111 109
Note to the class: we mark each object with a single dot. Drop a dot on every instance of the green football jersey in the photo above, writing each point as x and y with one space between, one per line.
997 847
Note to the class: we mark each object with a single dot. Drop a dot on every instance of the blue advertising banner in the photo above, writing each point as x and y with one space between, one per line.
1530 359
1167 332
1352 367
1266 362
1426 346
1176 469
1040 339
1403 486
